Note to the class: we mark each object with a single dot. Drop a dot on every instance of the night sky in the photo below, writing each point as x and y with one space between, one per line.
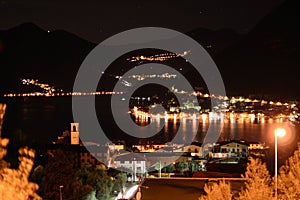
95 20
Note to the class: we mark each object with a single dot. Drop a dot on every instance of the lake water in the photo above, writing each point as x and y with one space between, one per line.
42 119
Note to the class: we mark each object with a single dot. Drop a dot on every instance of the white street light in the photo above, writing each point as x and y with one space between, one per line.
279 132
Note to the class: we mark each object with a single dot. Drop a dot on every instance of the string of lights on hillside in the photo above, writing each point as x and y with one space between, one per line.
158 57
36 94
44 86
140 77
143 76
51 91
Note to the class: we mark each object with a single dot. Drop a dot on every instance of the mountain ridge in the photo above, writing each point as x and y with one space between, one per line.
262 62
47 55
266 59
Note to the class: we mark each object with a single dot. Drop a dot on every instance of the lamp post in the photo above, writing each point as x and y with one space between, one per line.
279 132
60 191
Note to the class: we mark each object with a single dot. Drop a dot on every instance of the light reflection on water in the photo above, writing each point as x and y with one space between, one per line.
240 129
46 118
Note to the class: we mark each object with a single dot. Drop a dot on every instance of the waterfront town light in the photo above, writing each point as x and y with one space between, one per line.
279 132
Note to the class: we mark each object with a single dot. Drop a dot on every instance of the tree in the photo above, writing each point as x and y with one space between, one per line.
101 182
81 190
169 168
58 171
182 167
194 166
120 182
37 176
14 183
289 178
187 168
94 182
2 112
3 143
217 191
258 183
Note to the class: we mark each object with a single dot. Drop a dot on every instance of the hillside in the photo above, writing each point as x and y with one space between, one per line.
266 60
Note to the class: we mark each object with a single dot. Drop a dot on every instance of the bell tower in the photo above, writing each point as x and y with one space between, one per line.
74 133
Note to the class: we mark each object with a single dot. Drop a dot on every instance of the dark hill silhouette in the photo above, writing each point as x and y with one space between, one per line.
54 57
262 62
29 51
265 61
215 40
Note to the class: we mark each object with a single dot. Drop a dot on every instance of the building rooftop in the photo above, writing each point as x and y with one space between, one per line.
233 141
130 157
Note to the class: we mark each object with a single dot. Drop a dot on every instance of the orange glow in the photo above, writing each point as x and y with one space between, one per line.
280 132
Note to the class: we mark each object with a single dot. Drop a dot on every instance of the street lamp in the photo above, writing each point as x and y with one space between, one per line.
60 192
279 132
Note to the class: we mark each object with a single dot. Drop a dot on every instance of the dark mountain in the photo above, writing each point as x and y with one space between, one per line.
215 41
30 52
54 57
266 60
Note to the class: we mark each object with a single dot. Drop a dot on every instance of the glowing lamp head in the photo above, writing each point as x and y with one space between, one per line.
280 132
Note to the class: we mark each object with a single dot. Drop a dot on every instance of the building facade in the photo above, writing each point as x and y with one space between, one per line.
132 163
229 149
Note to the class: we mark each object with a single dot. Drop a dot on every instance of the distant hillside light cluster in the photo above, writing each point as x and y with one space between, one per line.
158 57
